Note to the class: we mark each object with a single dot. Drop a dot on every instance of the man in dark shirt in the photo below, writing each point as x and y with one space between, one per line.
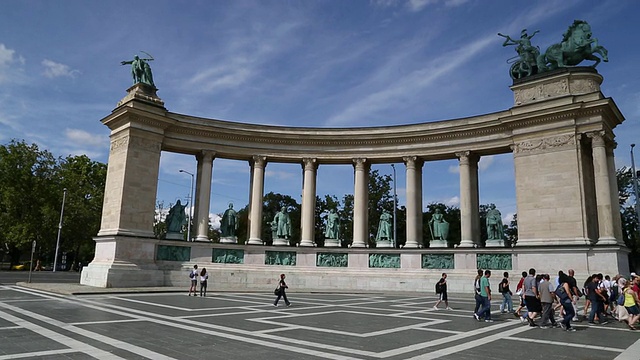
597 300
573 285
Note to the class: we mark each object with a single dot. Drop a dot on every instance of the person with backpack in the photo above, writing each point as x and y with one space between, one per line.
485 294
441 290
503 288
566 297
193 277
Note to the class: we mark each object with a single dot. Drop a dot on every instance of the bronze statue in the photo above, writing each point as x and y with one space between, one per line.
527 64
140 70
577 45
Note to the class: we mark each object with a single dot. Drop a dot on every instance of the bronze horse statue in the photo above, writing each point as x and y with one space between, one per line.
577 45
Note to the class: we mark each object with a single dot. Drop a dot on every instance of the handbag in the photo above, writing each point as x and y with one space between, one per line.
277 291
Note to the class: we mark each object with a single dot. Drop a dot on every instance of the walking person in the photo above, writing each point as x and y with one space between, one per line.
203 282
193 276
531 297
485 293
567 298
503 288
441 290
631 304
520 293
282 286
476 291
596 293
576 293
546 289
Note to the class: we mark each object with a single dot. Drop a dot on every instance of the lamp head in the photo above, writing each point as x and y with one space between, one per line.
633 145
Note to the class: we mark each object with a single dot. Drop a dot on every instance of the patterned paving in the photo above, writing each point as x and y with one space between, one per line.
39 325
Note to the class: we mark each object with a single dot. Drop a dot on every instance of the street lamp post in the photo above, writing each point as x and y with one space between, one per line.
55 258
395 231
190 205
635 184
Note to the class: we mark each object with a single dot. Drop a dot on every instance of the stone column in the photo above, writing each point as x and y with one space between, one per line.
204 173
603 189
258 165
414 201
309 167
613 181
468 197
360 203
129 202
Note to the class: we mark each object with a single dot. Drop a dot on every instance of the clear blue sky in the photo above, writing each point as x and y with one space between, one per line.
292 63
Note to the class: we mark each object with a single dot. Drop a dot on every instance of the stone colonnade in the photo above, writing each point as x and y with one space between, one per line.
560 132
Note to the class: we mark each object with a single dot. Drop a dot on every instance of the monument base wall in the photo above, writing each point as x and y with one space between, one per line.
257 268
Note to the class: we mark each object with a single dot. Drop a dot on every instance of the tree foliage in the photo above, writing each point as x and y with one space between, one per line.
31 195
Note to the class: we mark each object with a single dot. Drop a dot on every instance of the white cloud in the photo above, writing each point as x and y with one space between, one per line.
454 201
280 175
485 162
454 169
506 220
8 59
53 69
84 137
417 5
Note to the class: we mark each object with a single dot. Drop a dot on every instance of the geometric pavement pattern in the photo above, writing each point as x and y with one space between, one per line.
35 324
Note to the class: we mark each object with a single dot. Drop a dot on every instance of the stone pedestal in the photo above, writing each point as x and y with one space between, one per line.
229 240
494 243
174 236
438 244
280 242
331 243
384 244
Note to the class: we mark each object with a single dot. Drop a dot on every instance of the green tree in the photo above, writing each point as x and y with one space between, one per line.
511 232
85 181
27 201
628 216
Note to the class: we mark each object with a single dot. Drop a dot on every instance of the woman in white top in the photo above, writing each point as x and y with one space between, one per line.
203 282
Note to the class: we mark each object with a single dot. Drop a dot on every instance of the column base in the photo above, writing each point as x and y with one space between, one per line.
255 242
202 239
358 245
229 240
280 242
438 244
608 241
411 245
466 244
331 243
307 243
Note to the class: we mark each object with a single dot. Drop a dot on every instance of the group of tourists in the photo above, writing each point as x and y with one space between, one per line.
540 296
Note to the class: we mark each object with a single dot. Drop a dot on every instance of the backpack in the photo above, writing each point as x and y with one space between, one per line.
191 275
501 287
621 298
561 293
438 288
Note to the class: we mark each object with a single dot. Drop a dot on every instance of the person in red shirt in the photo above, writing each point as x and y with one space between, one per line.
520 292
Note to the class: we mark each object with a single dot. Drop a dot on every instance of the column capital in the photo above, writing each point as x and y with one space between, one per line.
258 161
597 138
206 155
466 157
360 163
309 164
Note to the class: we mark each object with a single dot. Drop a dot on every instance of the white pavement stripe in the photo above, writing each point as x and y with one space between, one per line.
440 330
631 353
273 342
10 327
470 345
566 344
105 322
37 354
460 337
75 345
92 335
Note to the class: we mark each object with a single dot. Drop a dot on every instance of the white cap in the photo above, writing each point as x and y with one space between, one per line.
633 274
